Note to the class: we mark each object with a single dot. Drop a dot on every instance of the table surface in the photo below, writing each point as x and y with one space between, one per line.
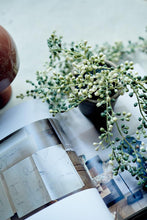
30 22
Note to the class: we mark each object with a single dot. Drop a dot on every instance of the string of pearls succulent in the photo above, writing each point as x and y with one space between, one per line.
76 73
119 51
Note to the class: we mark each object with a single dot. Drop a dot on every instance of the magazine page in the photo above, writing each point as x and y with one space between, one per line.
6 210
120 193
26 141
57 171
22 115
85 205
24 129
26 187
16 148
35 181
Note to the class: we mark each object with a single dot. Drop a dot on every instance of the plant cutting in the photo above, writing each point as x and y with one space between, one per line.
76 73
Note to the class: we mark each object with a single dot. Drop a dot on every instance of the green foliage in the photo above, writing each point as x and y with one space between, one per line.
77 72
118 52
142 44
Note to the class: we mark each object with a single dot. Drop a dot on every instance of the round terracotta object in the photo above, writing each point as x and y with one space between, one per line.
9 65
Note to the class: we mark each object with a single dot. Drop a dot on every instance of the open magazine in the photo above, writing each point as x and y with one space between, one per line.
28 133
35 167
36 171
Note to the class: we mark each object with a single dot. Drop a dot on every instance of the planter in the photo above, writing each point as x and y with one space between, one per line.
92 112
9 65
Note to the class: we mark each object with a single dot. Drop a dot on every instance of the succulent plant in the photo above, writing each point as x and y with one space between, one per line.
77 72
